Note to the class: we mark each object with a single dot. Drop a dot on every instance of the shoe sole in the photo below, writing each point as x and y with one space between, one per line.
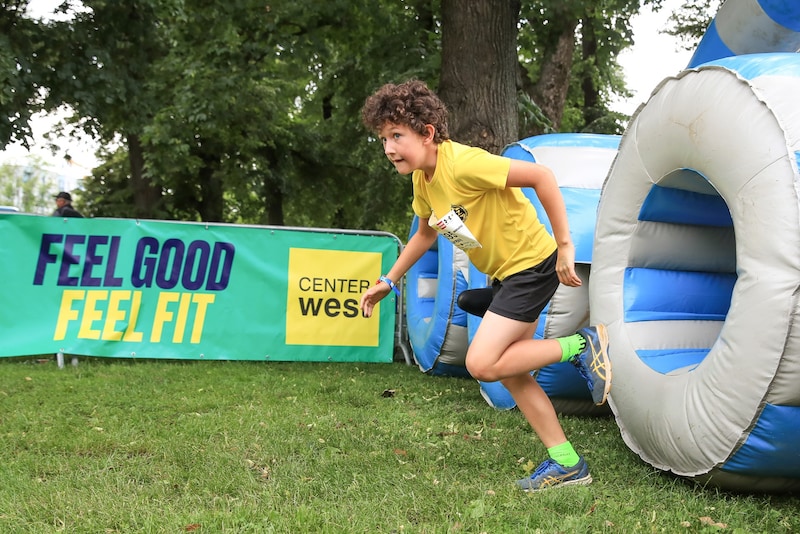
602 354
585 481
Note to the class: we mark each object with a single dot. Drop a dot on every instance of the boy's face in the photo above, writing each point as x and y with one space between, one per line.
405 148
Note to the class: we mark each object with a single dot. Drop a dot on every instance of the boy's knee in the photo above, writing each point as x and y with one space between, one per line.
479 370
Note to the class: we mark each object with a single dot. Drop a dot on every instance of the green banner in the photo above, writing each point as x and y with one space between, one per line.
158 289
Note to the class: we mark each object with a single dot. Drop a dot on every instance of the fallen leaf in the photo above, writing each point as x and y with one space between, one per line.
708 521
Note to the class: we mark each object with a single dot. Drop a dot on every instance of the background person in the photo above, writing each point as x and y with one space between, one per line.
64 206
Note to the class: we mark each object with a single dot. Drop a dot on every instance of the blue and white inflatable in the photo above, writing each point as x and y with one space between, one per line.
439 330
580 163
696 261
696 265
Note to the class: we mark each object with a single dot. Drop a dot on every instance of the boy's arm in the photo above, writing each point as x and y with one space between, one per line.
543 181
418 245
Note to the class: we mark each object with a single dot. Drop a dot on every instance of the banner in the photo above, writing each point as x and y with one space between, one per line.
159 289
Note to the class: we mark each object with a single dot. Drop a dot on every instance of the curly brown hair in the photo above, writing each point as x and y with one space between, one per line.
412 104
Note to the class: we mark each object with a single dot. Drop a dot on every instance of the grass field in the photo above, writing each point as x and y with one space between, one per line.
125 446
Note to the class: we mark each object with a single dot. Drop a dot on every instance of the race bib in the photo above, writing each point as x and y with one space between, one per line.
454 229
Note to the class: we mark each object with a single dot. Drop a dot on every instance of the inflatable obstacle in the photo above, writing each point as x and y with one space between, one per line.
696 266
439 329
750 27
580 163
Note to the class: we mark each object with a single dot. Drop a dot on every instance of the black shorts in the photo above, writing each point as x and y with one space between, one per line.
523 295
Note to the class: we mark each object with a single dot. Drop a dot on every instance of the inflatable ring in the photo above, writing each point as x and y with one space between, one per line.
437 328
696 273
750 27
580 163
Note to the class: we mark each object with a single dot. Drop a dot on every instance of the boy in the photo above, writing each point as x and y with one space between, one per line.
473 198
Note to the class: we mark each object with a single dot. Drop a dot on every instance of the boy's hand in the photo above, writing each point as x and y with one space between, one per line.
565 266
372 297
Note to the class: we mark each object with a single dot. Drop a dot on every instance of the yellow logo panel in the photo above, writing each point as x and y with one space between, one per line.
325 287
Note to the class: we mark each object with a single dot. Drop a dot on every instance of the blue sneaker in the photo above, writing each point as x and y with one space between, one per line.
551 474
593 363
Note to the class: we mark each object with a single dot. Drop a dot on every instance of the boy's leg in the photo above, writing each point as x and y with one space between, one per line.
564 467
537 408
531 399
504 335
504 348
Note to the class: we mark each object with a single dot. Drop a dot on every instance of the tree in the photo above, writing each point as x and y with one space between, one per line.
343 178
28 187
479 71
690 22
22 41
562 58
103 57
224 101
249 112
568 68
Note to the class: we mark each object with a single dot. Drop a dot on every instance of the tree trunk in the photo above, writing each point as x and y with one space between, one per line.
591 99
478 76
273 201
146 197
550 91
211 204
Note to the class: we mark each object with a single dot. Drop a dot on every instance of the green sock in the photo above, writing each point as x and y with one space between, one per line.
571 346
564 454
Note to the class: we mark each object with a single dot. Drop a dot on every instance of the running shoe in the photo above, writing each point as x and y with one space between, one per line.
551 474
593 363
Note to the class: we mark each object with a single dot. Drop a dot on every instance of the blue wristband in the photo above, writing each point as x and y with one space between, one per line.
389 283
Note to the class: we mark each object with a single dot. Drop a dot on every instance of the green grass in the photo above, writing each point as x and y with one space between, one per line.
235 447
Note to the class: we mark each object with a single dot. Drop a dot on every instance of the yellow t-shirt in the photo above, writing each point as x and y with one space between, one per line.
472 182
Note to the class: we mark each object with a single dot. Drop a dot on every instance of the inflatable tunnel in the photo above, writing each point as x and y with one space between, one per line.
696 265
439 330
580 163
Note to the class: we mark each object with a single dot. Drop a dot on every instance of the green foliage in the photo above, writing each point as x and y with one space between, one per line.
344 180
101 58
690 22
602 31
106 194
249 112
239 447
531 117
254 113
21 43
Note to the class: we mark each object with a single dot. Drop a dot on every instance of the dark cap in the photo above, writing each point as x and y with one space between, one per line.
64 195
